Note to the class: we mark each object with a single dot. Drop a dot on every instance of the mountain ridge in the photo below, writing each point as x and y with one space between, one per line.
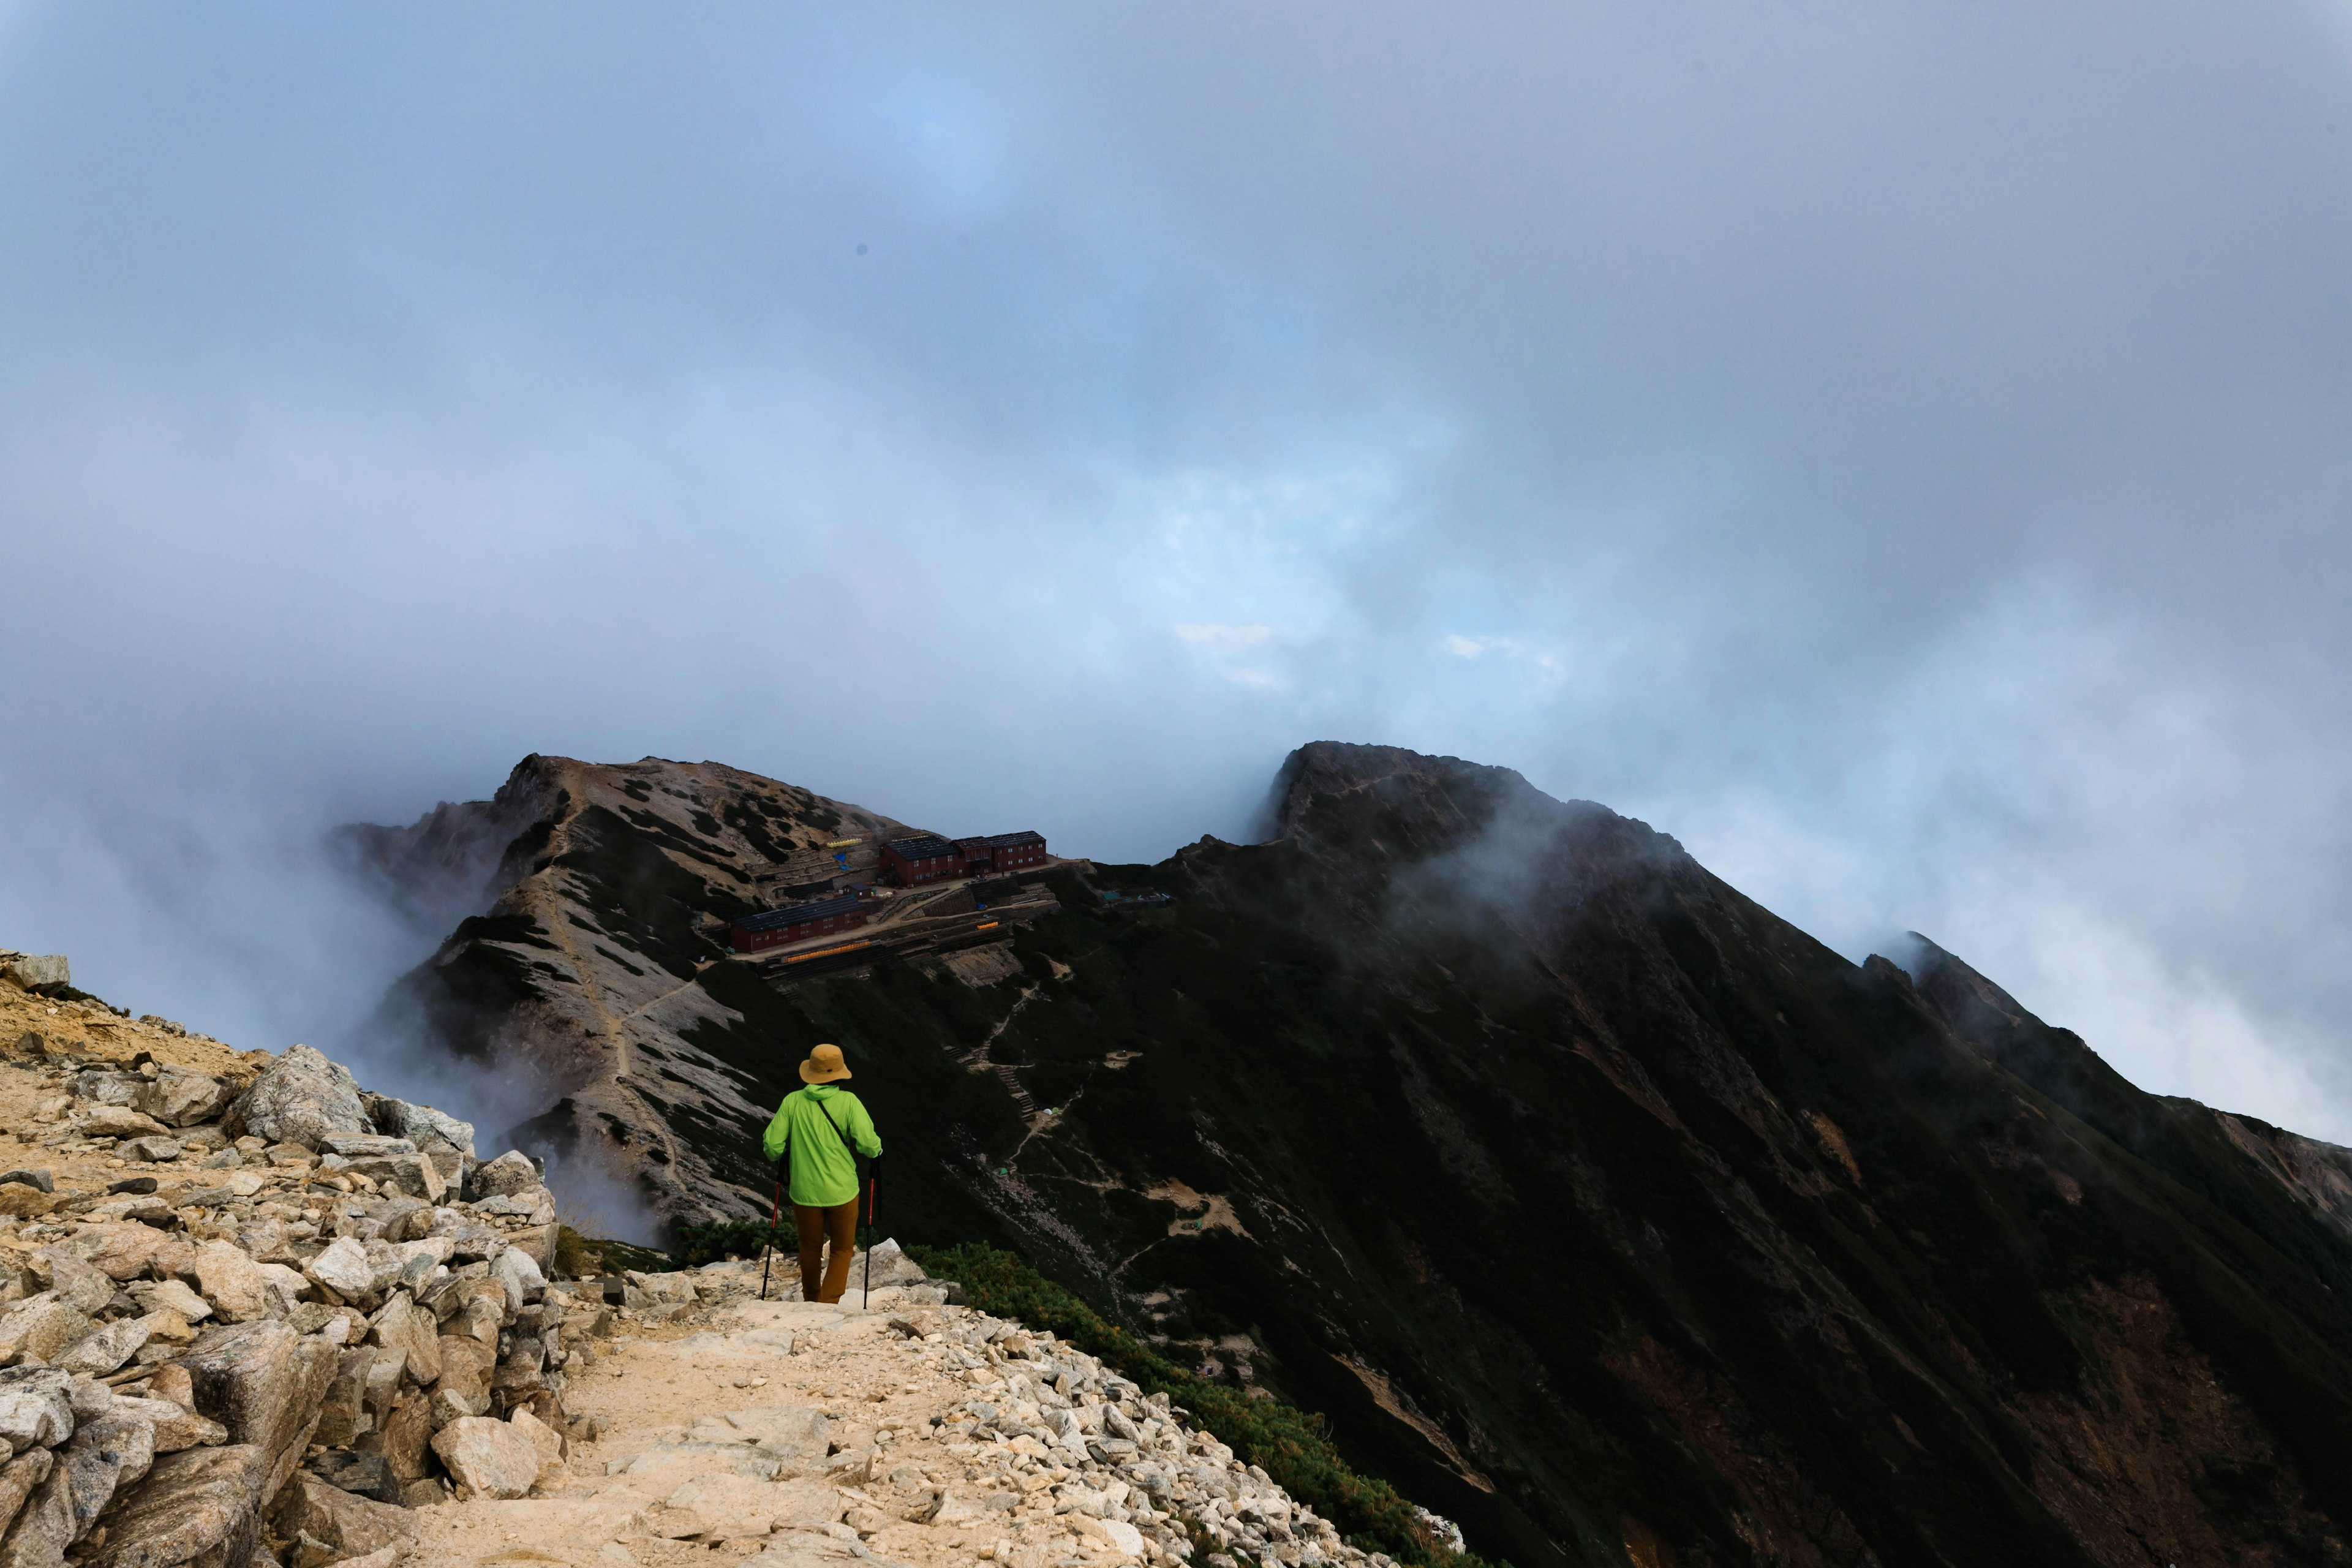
1593 1202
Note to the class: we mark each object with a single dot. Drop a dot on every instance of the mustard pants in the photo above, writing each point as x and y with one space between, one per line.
838 1225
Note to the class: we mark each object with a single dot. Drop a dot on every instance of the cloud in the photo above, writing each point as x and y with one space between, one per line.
1897 450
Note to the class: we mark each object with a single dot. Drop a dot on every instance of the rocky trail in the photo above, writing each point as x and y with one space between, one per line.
252 1316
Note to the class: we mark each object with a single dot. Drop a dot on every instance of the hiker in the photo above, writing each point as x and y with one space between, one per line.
821 1129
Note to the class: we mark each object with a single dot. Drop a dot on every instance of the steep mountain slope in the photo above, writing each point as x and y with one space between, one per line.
1598 1206
573 974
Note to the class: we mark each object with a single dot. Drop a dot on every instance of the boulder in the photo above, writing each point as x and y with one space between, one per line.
400 1439
114 1450
116 1121
41 1179
482 1314
734 1507
517 1274
233 1282
464 1387
19 1477
90 1398
155 1147
510 1173
36 1407
362 1475
42 1327
71 1278
39 971
383 1381
302 1098
890 1265
176 1425
536 1204
797 1434
406 1220
470 1241
545 1439
803 1505
178 1097
654 1290
1120 1536
667 1522
106 1350
353 1526
106 1087
364 1145
265 1383
169 1295
285 1286
342 1415
172 1383
411 1173
126 1251
24 1202
489 1456
538 1242
199 1503
424 1127
44 1527
343 1268
166 1327
401 1325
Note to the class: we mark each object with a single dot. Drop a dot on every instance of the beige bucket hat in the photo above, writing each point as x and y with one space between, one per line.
824 1065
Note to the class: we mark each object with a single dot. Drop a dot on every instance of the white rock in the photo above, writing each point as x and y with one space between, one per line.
342 1267
1123 1537
36 1416
516 1269
490 1456
302 1098
28 970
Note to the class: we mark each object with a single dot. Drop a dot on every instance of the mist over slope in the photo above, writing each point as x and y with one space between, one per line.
1595 1204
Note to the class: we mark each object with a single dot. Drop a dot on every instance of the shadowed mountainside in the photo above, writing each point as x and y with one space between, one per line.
1599 1207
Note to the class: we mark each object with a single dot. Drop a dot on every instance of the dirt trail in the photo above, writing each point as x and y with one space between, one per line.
938 1450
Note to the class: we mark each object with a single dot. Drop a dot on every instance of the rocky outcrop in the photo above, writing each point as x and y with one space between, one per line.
304 1098
306 1283
37 971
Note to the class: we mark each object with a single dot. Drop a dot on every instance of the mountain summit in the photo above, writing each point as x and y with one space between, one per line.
1595 1204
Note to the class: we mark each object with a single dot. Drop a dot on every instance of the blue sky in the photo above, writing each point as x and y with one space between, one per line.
1900 451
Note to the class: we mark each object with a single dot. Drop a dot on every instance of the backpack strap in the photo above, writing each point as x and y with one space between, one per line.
837 1131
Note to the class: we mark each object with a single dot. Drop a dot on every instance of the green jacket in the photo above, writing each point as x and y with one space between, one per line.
822 1172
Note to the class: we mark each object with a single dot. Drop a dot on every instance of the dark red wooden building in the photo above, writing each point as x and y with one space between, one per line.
909 862
926 857
1001 854
774 928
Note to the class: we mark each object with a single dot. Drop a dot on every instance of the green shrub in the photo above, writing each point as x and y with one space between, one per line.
1290 1445
590 1256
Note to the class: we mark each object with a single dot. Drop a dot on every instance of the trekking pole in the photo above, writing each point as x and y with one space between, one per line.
872 1182
768 1248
